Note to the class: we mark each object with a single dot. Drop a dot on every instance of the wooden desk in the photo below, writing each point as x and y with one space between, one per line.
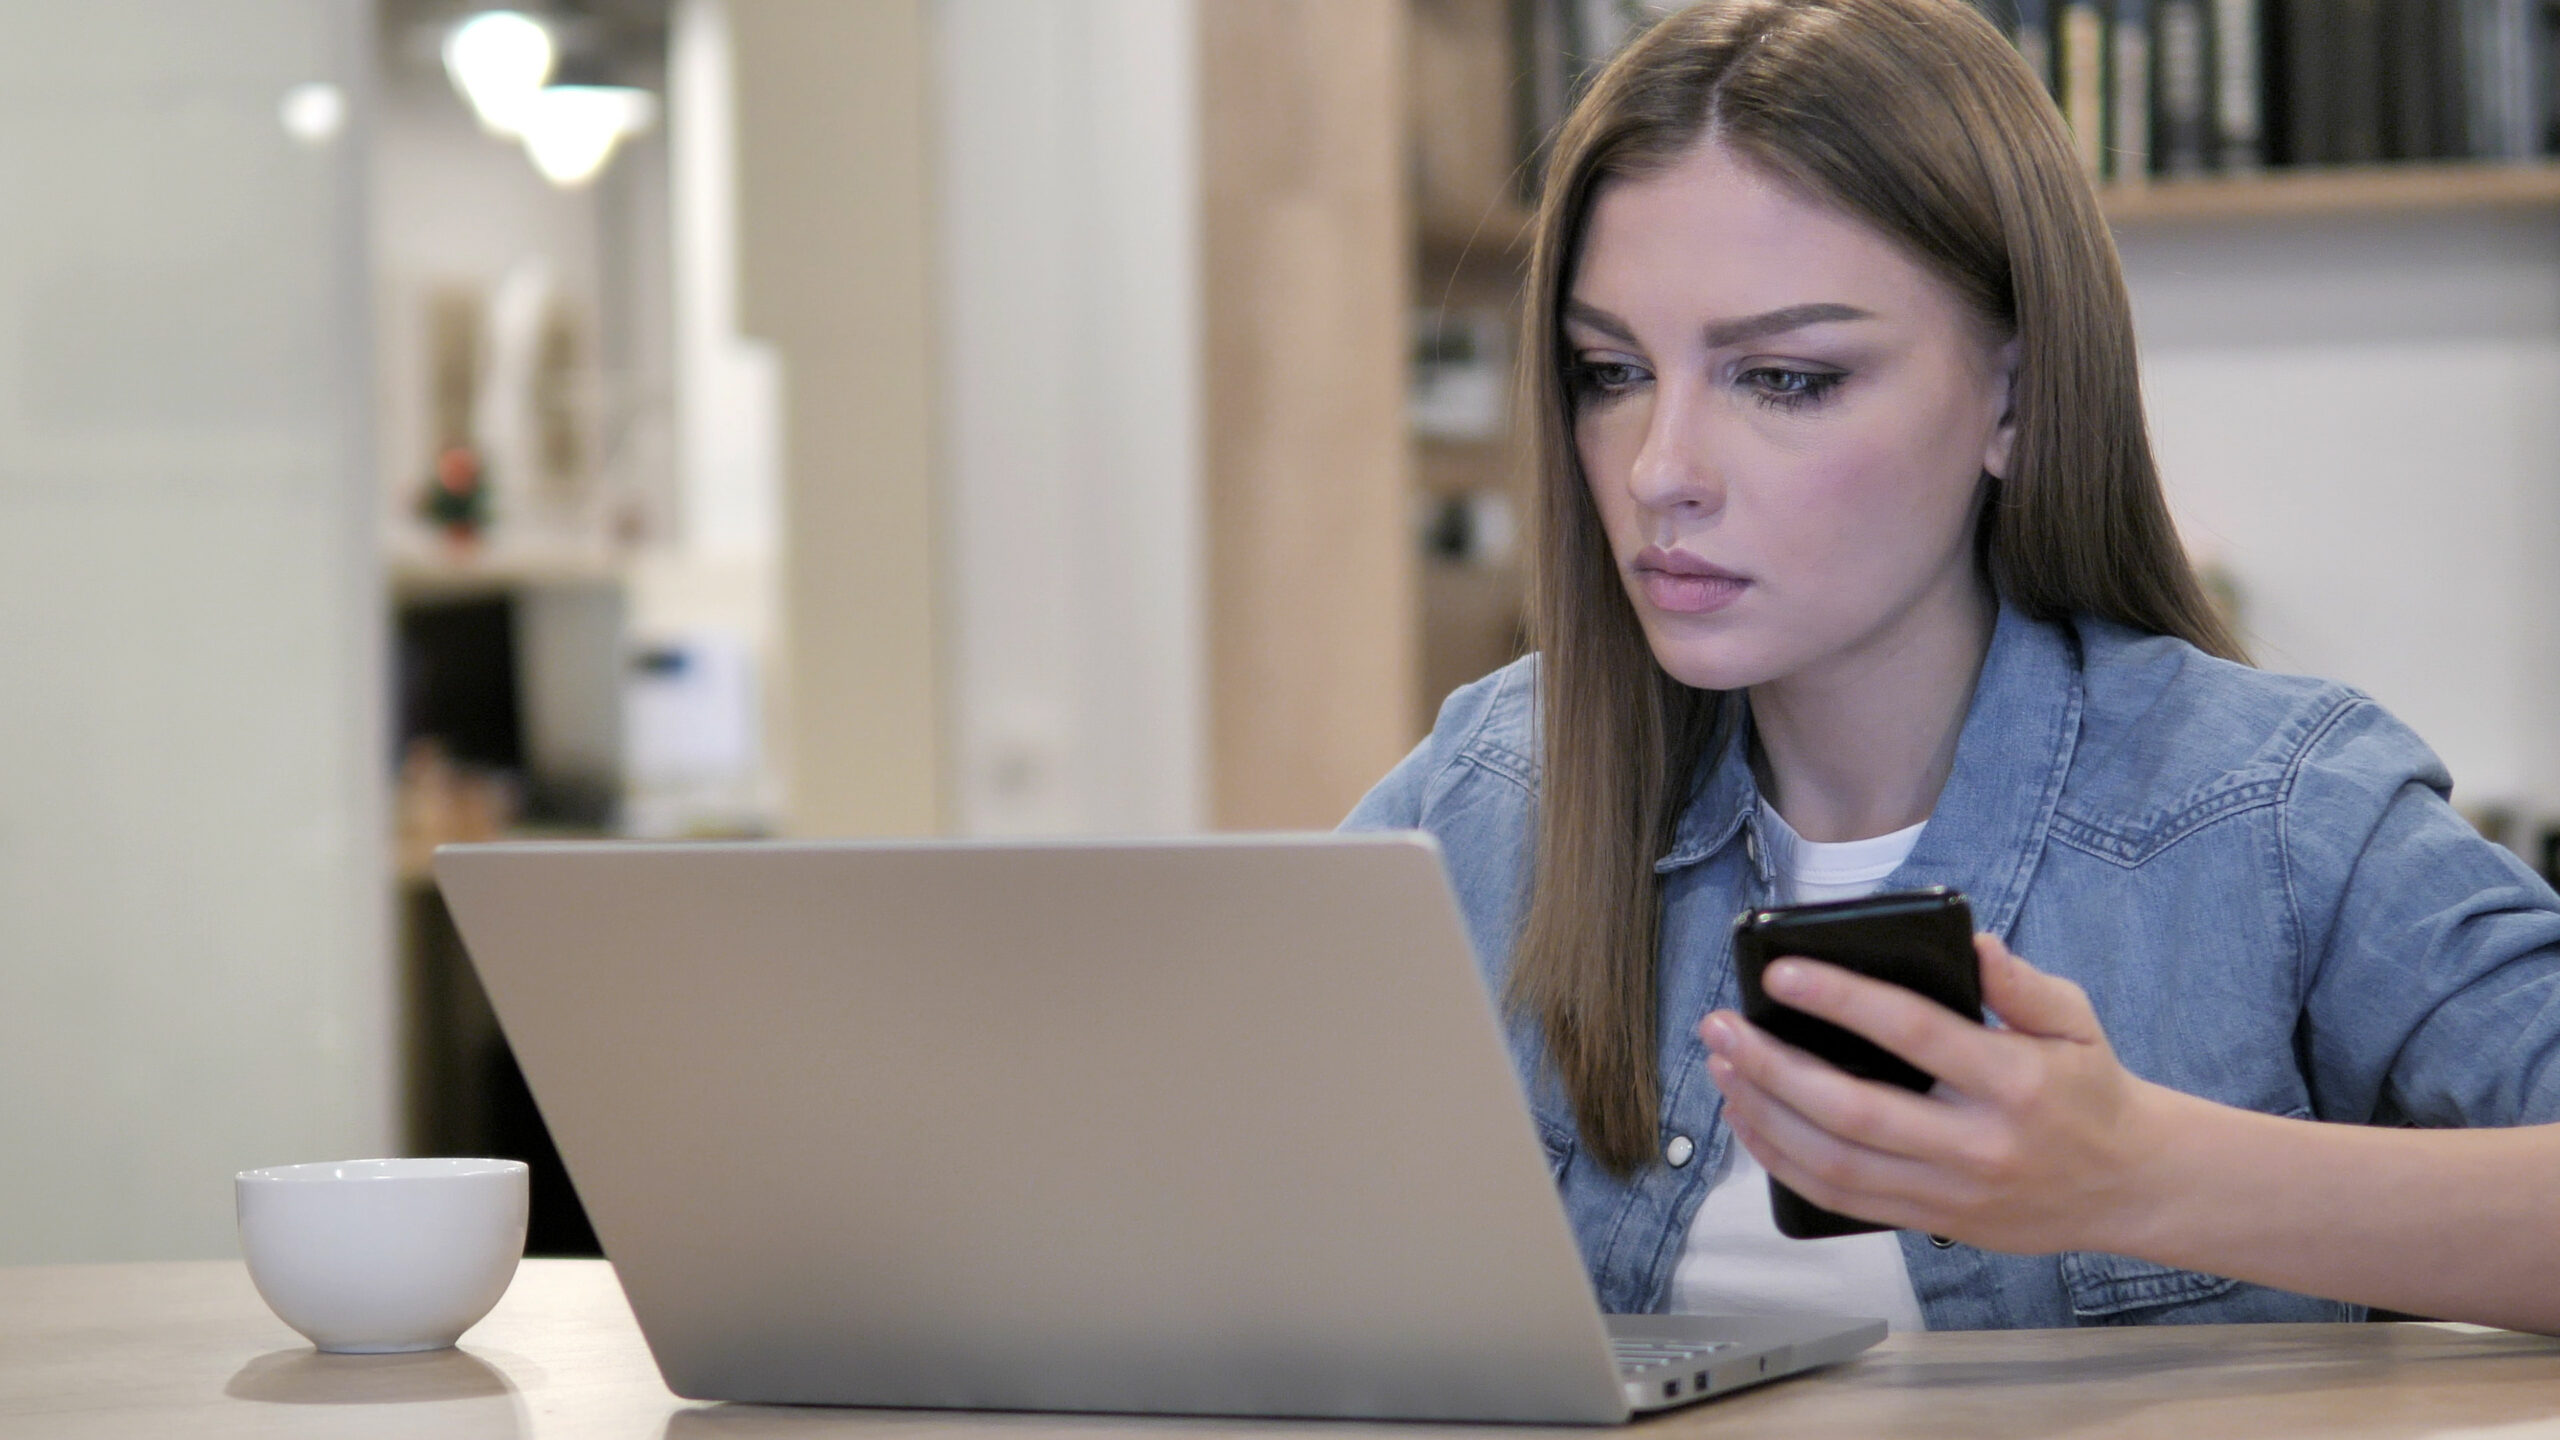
188 1349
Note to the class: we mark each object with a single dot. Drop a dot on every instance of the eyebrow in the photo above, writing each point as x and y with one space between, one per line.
1728 332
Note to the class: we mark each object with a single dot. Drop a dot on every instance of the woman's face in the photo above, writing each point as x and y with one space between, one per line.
1783 419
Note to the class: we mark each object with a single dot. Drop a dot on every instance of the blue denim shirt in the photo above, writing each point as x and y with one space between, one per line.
2256 878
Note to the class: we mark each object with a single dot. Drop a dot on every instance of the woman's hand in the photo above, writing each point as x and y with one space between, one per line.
2034 1139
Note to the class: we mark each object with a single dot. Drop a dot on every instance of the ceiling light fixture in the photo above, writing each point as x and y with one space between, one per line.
499 60
571 130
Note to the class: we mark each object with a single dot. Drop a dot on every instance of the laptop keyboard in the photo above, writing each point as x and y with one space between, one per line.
1637 1356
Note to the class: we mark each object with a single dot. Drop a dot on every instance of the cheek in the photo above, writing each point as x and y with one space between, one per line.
1890 493
1606 443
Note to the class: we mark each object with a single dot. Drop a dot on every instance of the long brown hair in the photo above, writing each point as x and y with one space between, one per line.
1919 118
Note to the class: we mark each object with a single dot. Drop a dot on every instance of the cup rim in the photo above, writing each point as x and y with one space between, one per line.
410 1169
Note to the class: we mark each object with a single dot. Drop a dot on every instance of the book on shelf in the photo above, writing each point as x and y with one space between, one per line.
2296 73
2421 80
1558 45
2182 88
2129 64
2029 24
2353 77
2188 87
2239 85
2373 81
2084 81
2505 49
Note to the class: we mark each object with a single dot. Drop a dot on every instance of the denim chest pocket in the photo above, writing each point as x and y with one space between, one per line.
2120 1290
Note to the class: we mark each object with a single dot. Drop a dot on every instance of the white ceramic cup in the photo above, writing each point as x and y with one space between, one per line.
372 1257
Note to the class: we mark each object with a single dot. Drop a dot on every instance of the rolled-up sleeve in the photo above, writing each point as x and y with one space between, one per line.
2431 956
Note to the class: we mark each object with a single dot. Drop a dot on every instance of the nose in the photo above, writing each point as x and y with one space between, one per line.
1674 470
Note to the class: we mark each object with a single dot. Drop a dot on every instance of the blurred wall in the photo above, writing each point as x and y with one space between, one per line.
725 383
835 227
1066 190
193 951
2360 418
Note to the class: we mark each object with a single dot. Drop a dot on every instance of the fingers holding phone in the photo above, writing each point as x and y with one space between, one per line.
1882 1103
1920 941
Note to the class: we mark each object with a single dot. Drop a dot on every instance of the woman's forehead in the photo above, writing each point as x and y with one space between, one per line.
1712 235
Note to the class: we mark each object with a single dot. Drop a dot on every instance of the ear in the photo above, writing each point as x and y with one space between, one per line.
2004 435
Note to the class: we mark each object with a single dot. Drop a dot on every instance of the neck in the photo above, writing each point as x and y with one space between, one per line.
1861 744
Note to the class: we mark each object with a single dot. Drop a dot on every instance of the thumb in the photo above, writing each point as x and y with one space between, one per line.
2029 1001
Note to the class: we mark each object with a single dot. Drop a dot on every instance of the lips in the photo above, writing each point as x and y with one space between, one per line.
1683 584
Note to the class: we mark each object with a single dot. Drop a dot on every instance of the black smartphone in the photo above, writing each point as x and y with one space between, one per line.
1921 940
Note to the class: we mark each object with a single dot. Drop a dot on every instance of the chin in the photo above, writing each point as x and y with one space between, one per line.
1720 663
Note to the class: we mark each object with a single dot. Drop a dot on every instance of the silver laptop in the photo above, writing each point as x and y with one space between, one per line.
1210 1126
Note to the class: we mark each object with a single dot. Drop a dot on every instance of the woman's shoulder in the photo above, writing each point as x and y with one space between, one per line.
1494 720
2168 730
1486 727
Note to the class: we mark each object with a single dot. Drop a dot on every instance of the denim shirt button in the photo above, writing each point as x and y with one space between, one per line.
1679 1151
1942 1242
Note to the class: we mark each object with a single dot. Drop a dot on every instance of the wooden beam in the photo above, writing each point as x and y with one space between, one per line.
1312 571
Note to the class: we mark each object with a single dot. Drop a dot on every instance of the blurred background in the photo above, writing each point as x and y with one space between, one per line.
421 421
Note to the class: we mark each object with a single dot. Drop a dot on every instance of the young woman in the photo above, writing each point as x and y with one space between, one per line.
1855 575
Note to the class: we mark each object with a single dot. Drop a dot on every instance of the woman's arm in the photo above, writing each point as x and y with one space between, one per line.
2036 1139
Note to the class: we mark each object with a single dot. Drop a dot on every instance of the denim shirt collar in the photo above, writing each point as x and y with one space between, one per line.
1988 828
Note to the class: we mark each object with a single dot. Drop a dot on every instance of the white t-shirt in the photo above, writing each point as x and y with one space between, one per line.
1734 1261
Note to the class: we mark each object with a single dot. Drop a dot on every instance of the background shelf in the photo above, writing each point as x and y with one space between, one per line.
1496 241
2375 189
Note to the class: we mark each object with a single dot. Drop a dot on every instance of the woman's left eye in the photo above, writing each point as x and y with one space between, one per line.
1786 389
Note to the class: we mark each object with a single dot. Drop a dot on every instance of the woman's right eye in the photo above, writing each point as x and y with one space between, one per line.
1603 378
